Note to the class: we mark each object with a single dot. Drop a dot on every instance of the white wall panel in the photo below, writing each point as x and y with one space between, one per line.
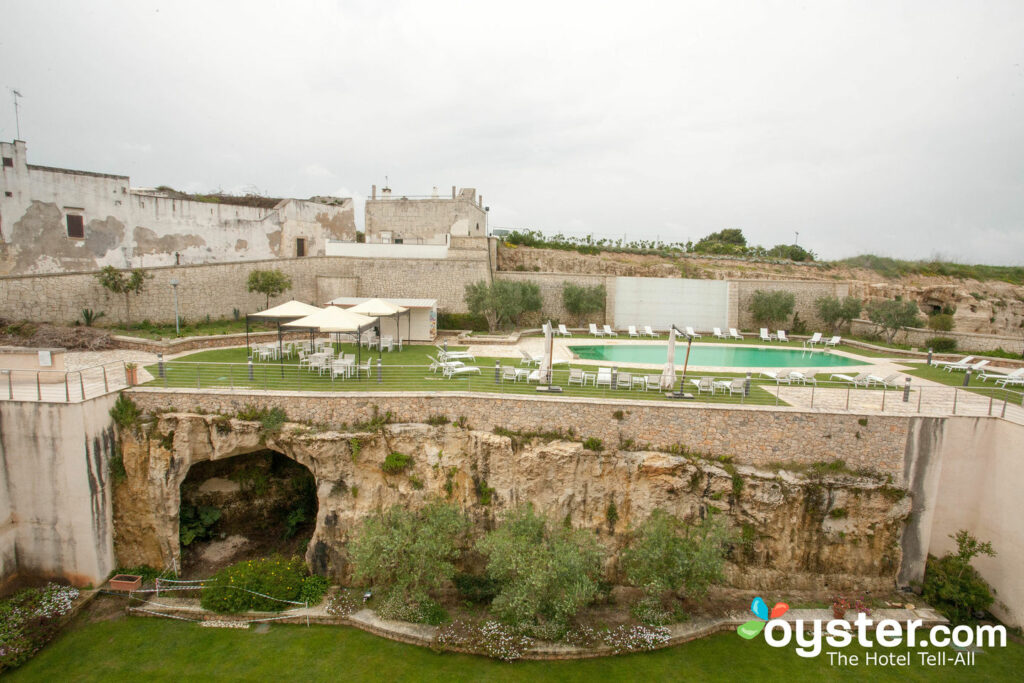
657 302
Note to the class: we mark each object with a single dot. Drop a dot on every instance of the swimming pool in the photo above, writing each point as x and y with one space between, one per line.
718 355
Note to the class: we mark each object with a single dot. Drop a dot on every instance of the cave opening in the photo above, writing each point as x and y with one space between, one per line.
244 507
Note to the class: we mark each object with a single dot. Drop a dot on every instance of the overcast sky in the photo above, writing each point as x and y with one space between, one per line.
887 127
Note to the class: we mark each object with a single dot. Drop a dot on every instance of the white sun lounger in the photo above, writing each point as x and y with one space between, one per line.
781 336
609 332
992 372
766 335
779 377
892 381
529 358
648 332
734 333
689 331
717 331
966 360
594 331
803 377
633 332
562 330
734 386
834 341
857 380
450 372
815 339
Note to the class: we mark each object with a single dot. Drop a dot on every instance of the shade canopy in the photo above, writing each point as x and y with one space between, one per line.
545 364
289 310
333 319
377 308
668 373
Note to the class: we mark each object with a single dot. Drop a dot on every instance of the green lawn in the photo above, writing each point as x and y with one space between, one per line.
405 370
137 649
956 379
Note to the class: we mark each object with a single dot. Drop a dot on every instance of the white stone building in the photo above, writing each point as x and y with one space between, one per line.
55 220
424 220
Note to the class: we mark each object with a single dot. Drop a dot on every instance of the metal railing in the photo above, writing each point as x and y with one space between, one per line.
60 386
621 384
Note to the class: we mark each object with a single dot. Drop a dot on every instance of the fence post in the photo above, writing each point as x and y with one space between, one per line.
847 398
1003 414
920 395
10 384
990 405
39 388
106 387
81 382
884 392
67 389
812 396
380 369
955 392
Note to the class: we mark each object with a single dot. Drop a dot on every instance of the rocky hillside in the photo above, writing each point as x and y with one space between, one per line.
984 306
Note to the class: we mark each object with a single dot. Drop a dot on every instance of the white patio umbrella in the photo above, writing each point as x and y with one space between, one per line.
545 364
332 320
668 375
290 310
380 308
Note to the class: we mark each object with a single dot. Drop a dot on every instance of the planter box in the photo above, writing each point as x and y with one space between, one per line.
126 582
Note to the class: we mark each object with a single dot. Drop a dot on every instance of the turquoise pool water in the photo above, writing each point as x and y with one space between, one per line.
718 355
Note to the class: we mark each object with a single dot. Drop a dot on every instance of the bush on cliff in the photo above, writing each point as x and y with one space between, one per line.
953 586
405 556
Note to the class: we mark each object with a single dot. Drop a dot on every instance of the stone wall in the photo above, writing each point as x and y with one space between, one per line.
216 289
965 341
754 436
805 293
54 490
425 221
551 291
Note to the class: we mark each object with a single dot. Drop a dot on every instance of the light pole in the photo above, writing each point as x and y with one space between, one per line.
177 327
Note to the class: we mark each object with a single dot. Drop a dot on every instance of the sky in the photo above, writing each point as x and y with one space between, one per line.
894 128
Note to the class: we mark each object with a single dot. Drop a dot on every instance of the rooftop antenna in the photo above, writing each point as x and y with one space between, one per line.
796 240
17 123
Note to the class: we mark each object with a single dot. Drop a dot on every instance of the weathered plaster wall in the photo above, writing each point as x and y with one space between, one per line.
55 489
753 436
215 289
426 221
130 228
977 487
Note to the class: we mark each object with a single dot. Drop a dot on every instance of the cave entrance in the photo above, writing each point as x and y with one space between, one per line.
244 507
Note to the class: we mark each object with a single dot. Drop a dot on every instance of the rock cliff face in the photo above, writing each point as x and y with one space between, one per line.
794 530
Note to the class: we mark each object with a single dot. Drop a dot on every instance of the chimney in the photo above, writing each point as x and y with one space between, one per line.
453 192
481 201
385 193
373 192
435 192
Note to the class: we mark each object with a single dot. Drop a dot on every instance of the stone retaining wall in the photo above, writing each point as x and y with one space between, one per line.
965 341
755 436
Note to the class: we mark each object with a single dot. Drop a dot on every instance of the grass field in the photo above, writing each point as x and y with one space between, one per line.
956 379
405 370
136 649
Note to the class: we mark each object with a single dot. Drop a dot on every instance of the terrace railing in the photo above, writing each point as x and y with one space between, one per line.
53 386
497 379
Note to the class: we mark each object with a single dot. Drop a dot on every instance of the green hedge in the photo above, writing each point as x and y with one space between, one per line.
234 589
461 321
940 344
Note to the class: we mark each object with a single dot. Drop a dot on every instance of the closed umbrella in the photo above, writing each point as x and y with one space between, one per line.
668 375
545 364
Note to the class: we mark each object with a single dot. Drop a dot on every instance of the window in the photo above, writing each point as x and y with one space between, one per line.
300 246
76 227
9 162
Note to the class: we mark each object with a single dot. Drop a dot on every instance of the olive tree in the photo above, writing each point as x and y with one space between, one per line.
503 301
772 307
406 555
892 315
269 282
127 283
836 312
545 572
581 300
666 555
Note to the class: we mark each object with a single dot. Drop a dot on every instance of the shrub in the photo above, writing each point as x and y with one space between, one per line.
195 523
546 573
30 619
438 420
234 589
581 301
406 555
893 315
343 603
124 412
953 586
313 589
271 419
489 638
396 463
592 444
478 589
462 321
941 344
836 312
771 307
940 322
665 555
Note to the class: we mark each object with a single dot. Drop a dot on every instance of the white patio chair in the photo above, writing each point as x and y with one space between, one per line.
766 335
604 376
704 384
648 332
594 331
633 332
734 386
781 336
563 330
734 334
575 376
609 332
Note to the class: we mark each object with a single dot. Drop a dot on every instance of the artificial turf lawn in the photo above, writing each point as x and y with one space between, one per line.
227 368
138 649
956 379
